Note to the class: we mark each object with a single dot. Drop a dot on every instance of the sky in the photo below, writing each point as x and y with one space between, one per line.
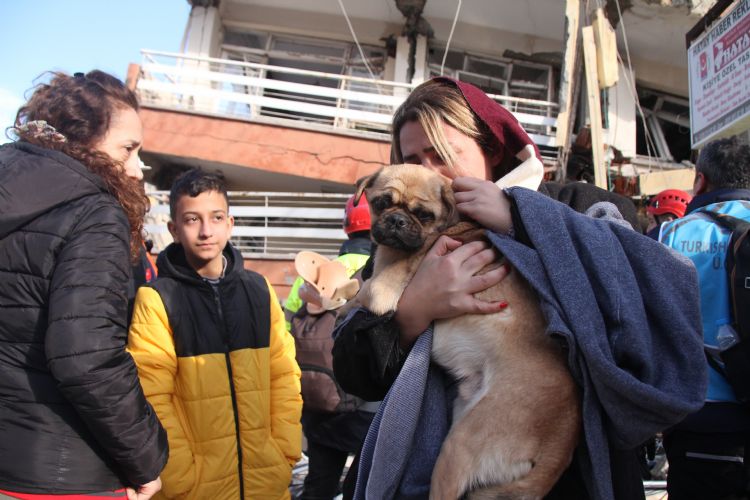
79 35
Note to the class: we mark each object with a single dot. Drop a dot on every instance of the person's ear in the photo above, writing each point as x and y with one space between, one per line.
230 221
700 184
173 231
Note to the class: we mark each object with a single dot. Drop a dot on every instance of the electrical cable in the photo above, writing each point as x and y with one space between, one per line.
450 36
631 87
356 41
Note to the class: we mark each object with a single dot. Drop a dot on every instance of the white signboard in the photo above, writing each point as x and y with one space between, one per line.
719 72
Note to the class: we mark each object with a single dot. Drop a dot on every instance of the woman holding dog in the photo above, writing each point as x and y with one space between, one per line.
633 362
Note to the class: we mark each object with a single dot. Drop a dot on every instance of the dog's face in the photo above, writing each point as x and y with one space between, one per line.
409 204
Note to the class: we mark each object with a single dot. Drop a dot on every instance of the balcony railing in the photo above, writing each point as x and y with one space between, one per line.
261 92
269 225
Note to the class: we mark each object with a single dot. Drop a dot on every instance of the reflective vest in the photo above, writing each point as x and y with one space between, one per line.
353 263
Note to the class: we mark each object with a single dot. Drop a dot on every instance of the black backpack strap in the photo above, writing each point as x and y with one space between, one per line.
728 221
713 359
738 248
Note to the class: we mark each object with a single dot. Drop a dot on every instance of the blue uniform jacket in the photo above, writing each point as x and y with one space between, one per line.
705 244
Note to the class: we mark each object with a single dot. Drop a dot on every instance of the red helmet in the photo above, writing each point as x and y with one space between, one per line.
669 201
356 218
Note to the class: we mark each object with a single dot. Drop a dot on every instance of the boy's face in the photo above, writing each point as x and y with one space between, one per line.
203 226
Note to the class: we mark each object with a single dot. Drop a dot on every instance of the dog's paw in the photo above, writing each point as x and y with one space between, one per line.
379 305
379 308
382 298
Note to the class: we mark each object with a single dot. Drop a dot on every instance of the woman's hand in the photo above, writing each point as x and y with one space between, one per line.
444 284
484 202
146 491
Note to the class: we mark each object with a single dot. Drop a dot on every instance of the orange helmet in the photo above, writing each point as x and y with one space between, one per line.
356 218
669 201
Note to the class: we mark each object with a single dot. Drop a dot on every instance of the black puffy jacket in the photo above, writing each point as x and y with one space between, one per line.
73 417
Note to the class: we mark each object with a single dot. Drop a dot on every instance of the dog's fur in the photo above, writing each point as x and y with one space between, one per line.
516 419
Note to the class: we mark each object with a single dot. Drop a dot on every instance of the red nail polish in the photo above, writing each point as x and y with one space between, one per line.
502 305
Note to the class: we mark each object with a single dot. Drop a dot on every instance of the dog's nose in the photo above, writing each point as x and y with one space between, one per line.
397 221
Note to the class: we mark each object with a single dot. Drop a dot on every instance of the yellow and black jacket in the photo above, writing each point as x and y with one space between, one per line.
216 362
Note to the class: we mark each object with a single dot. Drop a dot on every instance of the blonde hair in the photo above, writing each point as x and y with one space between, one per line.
432 104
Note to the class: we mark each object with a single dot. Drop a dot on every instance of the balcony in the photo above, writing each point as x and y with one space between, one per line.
283 96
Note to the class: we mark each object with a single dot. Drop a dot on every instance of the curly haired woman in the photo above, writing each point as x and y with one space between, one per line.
73 418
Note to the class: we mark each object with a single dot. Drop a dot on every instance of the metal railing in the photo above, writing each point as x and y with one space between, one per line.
268 225
253 91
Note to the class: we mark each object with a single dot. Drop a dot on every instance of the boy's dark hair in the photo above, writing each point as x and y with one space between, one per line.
725 163
192 183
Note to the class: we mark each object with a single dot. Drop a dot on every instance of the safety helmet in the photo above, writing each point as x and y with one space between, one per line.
356 218
669 201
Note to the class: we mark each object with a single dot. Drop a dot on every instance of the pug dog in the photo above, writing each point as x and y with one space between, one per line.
517 417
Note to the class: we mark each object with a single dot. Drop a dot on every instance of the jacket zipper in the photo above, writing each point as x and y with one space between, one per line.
225 335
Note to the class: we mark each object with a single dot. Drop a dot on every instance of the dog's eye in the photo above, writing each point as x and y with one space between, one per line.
381 202
423 215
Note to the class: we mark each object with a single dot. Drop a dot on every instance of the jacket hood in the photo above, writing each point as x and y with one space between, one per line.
34 180
580 196
361 246
172 263
717 196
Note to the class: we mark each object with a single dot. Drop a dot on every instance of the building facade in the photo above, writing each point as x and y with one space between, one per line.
291 100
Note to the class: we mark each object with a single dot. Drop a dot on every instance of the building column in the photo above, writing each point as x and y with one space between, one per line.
621 115
421 70
203 32
202 38
401 69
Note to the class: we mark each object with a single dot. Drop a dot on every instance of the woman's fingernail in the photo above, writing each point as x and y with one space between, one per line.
502 305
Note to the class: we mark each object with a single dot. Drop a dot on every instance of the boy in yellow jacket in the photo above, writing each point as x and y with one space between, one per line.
215 359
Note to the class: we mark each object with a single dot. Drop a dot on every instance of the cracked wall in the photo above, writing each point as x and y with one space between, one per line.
335 158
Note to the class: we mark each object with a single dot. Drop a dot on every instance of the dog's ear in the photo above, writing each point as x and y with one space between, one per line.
364 183
449 202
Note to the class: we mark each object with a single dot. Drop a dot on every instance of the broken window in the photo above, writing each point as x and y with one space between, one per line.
667 132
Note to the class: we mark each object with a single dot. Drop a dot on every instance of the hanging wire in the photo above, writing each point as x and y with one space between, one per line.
631 87
356 41
450 36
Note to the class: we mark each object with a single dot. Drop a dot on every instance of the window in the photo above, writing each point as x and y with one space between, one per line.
667 120
489 75
500 76
303 53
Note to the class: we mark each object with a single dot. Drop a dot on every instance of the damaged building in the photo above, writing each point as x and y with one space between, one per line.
291 101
